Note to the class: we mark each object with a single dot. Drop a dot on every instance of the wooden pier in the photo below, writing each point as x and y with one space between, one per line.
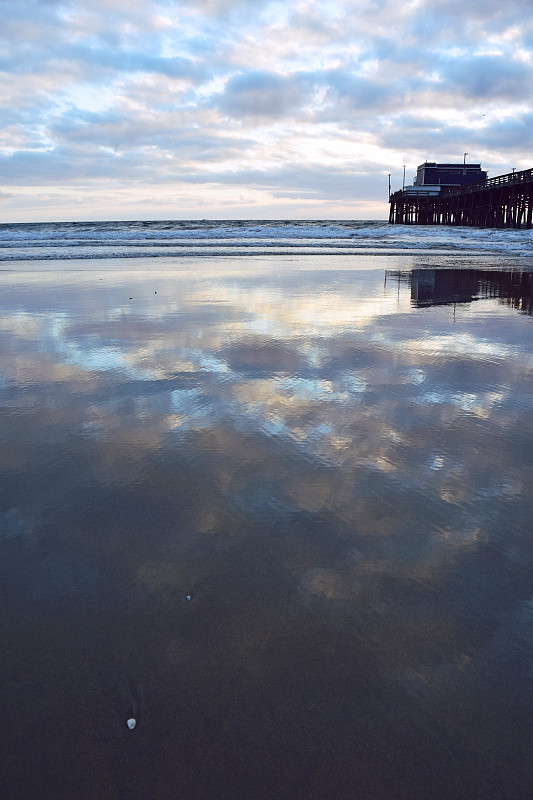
502 202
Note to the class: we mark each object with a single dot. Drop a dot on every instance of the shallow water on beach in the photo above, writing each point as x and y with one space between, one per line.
278 511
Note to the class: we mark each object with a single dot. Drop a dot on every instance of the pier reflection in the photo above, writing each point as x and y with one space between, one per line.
433 287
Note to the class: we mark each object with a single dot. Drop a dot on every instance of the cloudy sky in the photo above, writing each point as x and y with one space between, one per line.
154 109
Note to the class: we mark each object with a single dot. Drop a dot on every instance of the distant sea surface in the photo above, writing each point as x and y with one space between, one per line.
266 489
91 240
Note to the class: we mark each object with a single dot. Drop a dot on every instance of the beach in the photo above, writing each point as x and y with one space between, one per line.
266 491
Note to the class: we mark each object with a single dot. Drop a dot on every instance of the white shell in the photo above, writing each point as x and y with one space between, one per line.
131 723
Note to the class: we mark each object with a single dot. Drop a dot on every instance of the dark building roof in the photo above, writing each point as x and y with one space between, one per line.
432 174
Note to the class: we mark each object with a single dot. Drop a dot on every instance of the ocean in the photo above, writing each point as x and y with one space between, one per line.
266 491
170 239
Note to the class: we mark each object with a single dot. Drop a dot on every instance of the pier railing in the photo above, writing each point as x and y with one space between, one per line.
510 179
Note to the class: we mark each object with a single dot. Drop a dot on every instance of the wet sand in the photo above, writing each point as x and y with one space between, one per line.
333 464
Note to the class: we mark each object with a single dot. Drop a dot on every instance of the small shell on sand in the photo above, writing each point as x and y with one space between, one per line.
131 723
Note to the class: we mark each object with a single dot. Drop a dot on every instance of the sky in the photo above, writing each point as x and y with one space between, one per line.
230 109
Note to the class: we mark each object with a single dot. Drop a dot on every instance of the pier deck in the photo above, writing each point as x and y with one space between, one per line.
502 202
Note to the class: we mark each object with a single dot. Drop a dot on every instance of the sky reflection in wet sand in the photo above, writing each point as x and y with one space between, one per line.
335 470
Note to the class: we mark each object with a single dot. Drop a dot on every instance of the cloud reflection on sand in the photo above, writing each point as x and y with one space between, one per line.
338 479
346 377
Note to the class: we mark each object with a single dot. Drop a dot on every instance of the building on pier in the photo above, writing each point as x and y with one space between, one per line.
432 174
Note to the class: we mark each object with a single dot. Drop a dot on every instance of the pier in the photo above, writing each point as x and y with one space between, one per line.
502 202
